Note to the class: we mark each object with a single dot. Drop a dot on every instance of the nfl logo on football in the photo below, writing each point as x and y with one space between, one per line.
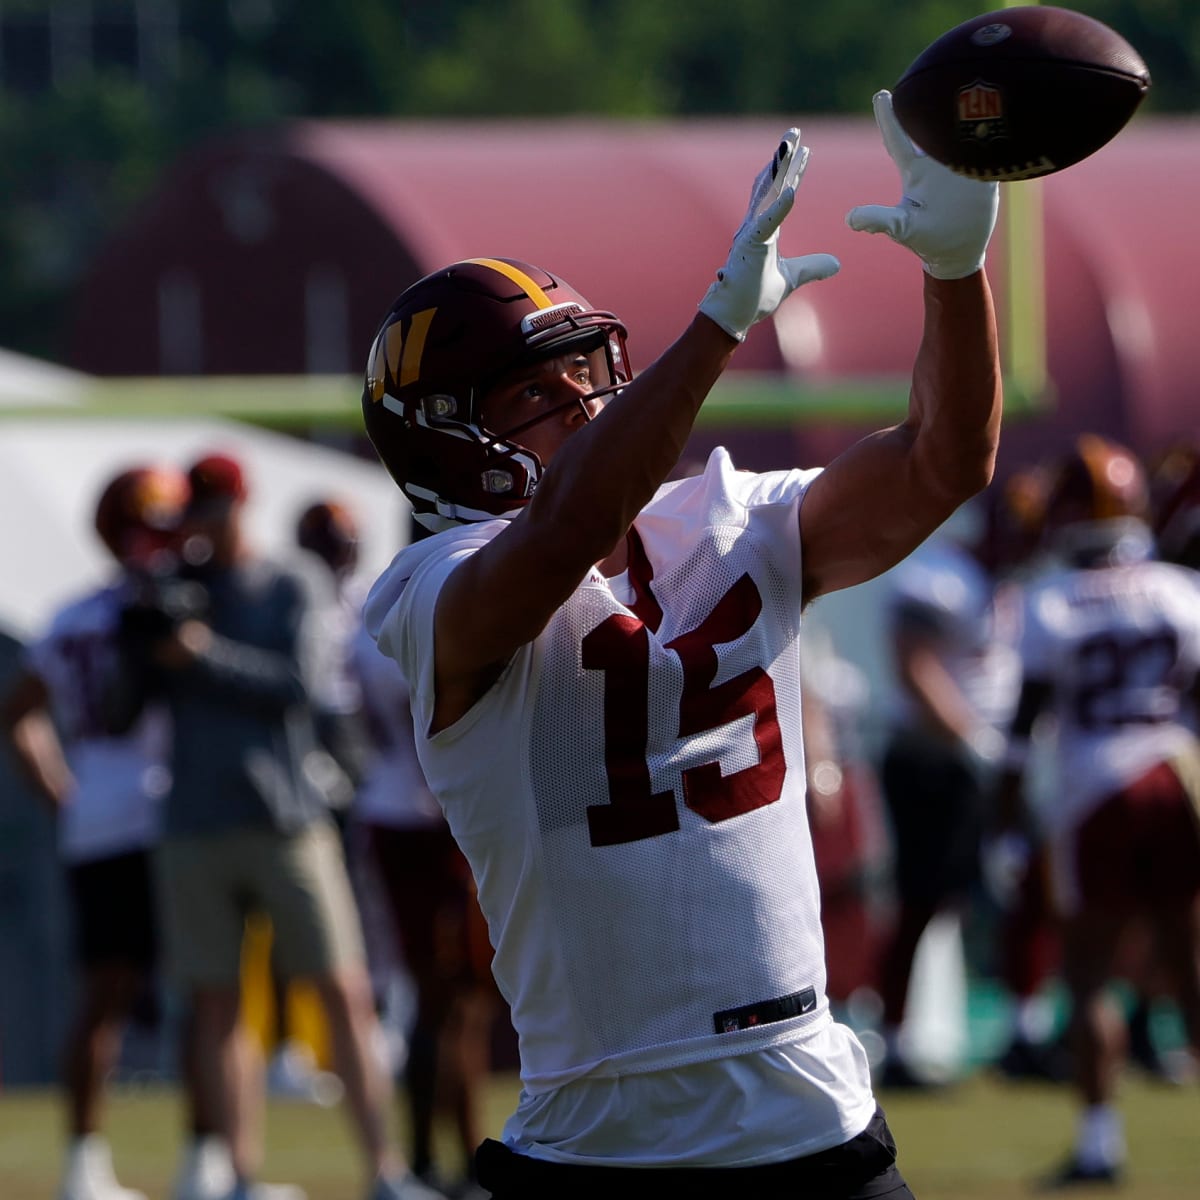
980 112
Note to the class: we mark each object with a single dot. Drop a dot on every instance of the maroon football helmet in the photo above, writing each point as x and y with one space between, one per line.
1099 502
139 511
329 530
444 342
1011 524
1097 480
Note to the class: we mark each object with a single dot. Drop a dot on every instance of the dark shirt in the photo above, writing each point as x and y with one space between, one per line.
245 750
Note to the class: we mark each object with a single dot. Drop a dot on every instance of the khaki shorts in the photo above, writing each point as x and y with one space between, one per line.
209 884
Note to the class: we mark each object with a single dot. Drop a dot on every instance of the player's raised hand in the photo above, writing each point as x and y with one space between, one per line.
755 280
944 218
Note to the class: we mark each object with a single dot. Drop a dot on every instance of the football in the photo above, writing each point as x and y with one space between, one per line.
1020 92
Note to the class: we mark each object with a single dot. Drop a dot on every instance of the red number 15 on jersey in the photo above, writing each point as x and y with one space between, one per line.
620 647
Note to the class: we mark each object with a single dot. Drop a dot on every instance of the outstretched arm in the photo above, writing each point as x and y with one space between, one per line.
602 475
879 500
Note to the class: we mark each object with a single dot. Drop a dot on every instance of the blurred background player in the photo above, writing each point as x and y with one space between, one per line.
849 830
441 935
328 530
955 685
106 792
1110 645
1014 863
247 828
328 533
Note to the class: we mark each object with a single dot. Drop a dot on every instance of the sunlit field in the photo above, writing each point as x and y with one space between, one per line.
983 1140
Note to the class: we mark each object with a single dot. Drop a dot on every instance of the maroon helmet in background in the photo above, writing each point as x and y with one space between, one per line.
1098 503
444 342
329 530
1011 524
139 512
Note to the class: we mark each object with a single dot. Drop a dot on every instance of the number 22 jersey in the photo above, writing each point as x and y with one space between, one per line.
1119 648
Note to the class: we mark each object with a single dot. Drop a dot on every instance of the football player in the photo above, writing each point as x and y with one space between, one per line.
955 685
605 684
1110 646
105 792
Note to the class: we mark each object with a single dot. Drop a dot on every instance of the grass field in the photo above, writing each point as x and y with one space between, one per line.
983 1140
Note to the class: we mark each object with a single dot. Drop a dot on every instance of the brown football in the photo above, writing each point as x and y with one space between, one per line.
1020 92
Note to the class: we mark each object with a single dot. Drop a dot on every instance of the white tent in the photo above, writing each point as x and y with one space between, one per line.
31 382
52 471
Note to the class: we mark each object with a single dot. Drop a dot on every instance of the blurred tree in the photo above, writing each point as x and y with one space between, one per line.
98 95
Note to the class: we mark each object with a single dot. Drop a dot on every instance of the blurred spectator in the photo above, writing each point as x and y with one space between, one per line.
443 938
247 825
328 530
1110 645
106 792
955 686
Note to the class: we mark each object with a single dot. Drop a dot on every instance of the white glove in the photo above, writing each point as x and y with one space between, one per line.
755 281
944 218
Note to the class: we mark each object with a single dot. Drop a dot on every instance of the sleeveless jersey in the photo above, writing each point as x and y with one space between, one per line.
119 781
1120 647
631 793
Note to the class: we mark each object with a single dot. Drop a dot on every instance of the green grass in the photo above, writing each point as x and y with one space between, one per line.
983 1140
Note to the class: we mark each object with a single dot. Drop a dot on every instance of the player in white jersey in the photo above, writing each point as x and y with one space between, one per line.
955 683
105 792
1110 646
606 689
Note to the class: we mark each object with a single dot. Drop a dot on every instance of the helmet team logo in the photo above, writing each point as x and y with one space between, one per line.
441 348
980 112
399 353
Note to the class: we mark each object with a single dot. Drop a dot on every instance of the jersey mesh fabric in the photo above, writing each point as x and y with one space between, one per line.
661 931
393 791
616 954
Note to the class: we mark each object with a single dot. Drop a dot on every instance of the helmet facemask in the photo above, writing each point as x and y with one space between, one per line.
471 325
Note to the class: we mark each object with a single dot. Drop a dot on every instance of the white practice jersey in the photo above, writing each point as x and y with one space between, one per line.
631 795
393 790
120 782
1120 648
948 592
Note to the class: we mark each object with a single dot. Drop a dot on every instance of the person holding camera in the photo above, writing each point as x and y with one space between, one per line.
105 791
247 826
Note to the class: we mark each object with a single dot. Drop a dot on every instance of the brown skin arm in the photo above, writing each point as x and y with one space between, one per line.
25 720
600 479
899 485
875 503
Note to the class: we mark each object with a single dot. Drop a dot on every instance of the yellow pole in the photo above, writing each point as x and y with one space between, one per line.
1024 349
